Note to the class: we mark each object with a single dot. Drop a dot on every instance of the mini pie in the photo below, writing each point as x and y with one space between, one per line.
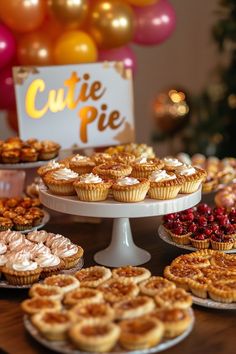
112 170
155 285
123 157
94 336
223 291
48 150
52 165
196 261
70 254
142 167
46 291
182 239
83 296
81 164
170 163
5 223
175 321
38 304
60 181
53 325
65 282
130 189
92 188
101 311
94 276
140 333
199 286
131 308
117 290
28 154
136 274
174 298
223 260
192 176
180 274
164 185
100 158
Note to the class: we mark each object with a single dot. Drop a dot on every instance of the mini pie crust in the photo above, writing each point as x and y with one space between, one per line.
92 192
155 285
220 259
94 336
180 274
131 193
117 290
199 286
180 239
38 304
174 298
223 290
136 274
72 261
143 170
141 333
59 186
53 325
112 170
196 261
100 311
192 182
136 307
101 157
81 166
83 296
175 321
165 189
21 277
124 157
5 223
65 282
94 276
222 246
46 291
42 170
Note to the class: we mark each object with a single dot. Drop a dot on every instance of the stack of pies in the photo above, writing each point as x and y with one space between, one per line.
97 308
205 273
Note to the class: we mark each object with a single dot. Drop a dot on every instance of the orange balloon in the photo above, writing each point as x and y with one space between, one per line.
52 27
72 13
75 47
141 2
22 15
35 49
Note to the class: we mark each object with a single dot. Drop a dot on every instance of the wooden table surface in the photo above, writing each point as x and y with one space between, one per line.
214 331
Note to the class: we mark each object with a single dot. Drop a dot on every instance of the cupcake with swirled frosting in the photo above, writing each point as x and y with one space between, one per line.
164 185
81 164
49 263
192 177
61 181
52 165
90 187
130 189
69 253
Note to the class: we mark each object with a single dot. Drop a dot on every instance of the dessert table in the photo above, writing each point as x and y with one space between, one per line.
213 331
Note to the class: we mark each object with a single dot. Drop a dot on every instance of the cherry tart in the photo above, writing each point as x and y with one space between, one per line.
65 282
136 274
93 277
136 307
155 285
174 298
83 296
116 290
94 336
38 304
180 274
46 291
141 333
175 320
100 311
53 325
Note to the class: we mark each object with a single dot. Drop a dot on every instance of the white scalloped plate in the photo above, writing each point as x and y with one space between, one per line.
213 304
24 165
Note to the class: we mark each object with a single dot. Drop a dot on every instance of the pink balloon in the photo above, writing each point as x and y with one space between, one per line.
7 45
155 23
7 93
124 54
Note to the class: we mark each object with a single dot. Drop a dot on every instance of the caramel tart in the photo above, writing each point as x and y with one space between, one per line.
223 291
155 285
83 296
92 277
136 307
181 274
46 291
199 286
53 325
175 321
65 282
223 260
94 336
101 311
136 274
194 260
117 290
141 333
174 298
37 304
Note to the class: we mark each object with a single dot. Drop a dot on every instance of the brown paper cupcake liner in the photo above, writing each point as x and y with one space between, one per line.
163 193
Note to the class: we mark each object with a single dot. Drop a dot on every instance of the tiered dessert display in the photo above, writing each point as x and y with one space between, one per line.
219 172
99 310
121 186
26 259
201 227
209 275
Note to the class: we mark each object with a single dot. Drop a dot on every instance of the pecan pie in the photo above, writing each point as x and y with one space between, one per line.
116 290
136 307
180 274
199 286
93 276
155 285
136 274
46 291
101 311
196 261
174 298
112 170
83 296
223 290
38 304
65 282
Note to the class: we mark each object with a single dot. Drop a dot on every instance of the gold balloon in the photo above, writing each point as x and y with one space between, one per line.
111 23
72 13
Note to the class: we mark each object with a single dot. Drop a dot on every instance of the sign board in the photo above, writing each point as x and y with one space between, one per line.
87 105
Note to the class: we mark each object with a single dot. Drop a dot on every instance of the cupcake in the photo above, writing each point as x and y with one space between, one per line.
164 185
112 170
81 164
49 263
52 165
61 181
69 253
142 167
170 163
192 177
91 187
130 189
49 150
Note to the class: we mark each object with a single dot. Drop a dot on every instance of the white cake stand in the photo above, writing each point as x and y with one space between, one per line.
122 249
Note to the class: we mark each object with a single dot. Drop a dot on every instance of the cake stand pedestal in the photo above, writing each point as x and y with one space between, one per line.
122 249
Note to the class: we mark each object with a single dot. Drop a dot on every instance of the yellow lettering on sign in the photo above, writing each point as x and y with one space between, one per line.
32 111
